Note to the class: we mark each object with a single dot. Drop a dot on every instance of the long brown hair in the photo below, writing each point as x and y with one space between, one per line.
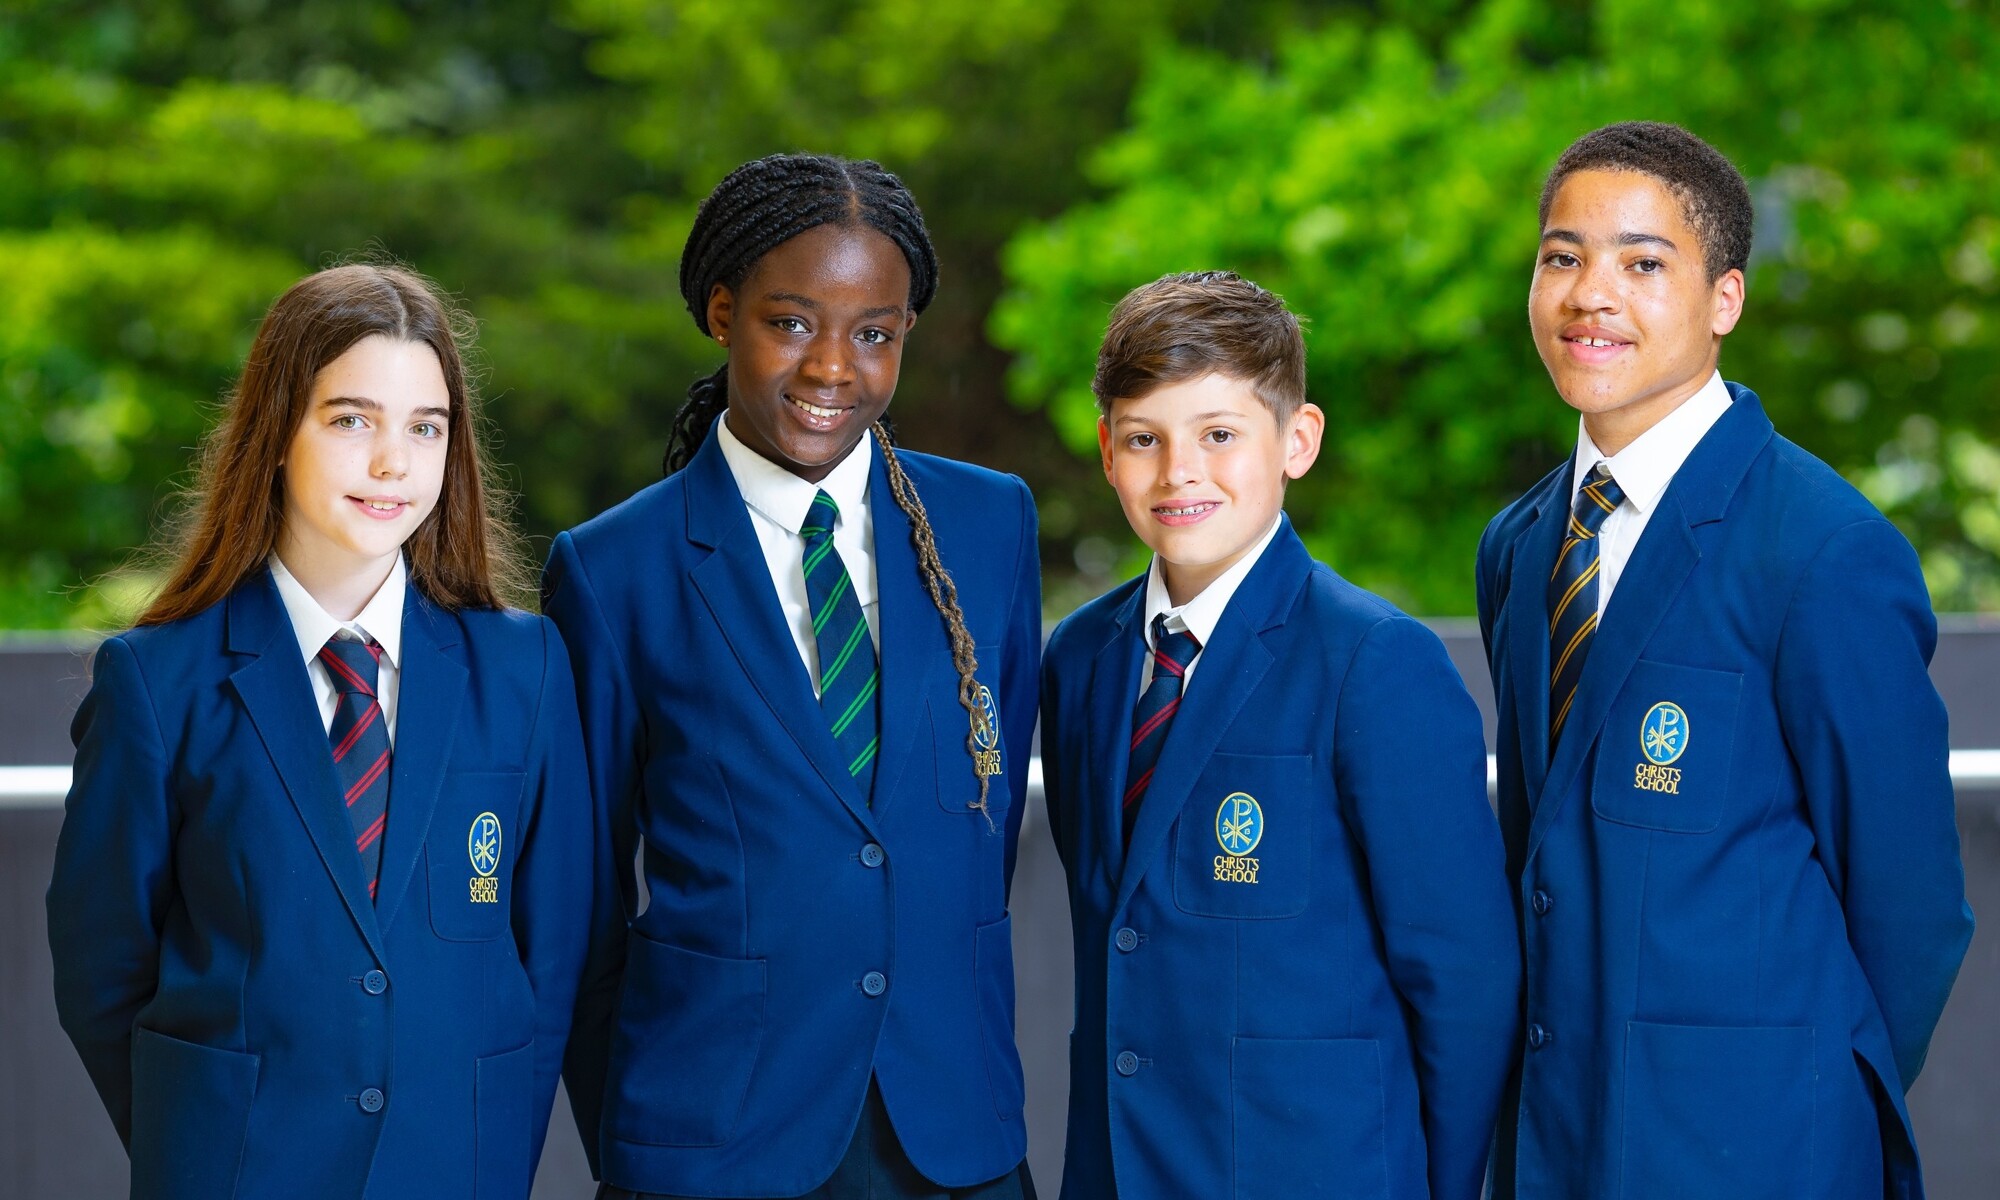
465 554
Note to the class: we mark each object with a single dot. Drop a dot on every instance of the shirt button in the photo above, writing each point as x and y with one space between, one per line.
1543 902
874 983
371 1100
374 983
1128 940
1539 1037
1127 1063
871 855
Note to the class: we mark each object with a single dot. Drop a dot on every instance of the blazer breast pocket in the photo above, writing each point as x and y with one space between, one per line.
470 854
1243 847
1663 760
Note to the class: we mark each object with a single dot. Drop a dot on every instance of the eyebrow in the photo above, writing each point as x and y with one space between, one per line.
1198 417
867 314
1624 239
367 405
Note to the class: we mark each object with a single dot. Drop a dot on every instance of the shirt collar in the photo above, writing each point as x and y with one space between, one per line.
784 497
1645 468
381 618
1202 614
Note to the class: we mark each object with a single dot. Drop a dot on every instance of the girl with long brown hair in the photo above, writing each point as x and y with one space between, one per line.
807 663
321 892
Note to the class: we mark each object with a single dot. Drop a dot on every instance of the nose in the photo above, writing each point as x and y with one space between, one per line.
1594 289
828 362
391 457
1181 464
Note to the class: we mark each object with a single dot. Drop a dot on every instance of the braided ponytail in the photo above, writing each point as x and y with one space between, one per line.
758 207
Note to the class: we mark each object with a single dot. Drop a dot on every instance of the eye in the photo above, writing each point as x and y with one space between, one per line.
1222 437
1141 441
877 337
349 421
1559 258
789 324
1649 266
427 429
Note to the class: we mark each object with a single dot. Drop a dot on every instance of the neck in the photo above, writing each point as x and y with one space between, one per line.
341 584
1612 431
1184 583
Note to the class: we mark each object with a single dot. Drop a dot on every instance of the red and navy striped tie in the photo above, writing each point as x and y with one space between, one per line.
1172 652
360 742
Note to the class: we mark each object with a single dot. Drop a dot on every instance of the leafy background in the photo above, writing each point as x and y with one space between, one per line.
167 168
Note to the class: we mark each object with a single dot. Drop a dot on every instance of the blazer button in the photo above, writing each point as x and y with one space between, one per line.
374 983
371 1100
1127 939
874 983
1127 1063
1539 1037
871 855
1542 902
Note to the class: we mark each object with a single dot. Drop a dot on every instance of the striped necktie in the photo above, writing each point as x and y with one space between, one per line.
1154 715
847 672
360 742
1573 594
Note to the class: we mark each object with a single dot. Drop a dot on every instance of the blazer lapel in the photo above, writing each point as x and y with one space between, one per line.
1230 668
912 638
1114 691
1526 636
735 583
430 692
277 696
1650 584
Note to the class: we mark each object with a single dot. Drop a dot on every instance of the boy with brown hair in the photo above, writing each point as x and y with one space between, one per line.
1297 972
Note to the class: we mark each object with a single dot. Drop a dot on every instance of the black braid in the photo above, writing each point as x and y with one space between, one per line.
760 206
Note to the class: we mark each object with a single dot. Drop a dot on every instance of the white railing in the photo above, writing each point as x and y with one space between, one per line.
45 787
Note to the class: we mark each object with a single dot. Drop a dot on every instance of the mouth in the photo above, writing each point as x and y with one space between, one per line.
380 508
1593 346
1188 512
818 417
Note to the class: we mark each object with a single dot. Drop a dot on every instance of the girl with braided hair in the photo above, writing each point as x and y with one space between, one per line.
811 735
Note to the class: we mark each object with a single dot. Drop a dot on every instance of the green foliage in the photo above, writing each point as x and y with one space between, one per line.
1387 188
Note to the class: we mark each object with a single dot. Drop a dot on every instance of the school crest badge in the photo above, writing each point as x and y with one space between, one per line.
482 846
1239 827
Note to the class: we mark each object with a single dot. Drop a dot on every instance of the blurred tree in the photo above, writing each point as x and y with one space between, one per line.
167 168
1385 183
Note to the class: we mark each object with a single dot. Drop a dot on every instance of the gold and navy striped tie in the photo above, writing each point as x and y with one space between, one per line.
1573 594
847 667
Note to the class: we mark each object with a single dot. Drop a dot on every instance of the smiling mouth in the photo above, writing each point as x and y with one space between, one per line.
1185 514
815 410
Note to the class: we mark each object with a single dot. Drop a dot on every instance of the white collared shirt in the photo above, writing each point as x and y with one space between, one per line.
1203 613
778 501
1643 470
381 618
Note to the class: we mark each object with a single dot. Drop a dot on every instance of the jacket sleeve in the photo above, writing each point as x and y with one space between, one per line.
1410 764
114 875
553 875
1020 672
611 731
1866 731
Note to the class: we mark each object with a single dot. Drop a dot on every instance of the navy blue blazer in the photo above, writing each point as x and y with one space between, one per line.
1739 875
1332 1011
257 1027
795 939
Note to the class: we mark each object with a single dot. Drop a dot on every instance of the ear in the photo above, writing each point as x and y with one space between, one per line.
721 310
1302 440
1728 295
1104 447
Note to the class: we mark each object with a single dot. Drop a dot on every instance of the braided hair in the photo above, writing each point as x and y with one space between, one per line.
755 209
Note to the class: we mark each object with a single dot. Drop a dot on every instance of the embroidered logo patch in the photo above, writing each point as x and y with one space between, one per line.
1663 735
1239 826
482 846
985 733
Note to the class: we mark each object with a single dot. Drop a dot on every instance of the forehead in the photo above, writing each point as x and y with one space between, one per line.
855 259
1191 400
1601 204
383 369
